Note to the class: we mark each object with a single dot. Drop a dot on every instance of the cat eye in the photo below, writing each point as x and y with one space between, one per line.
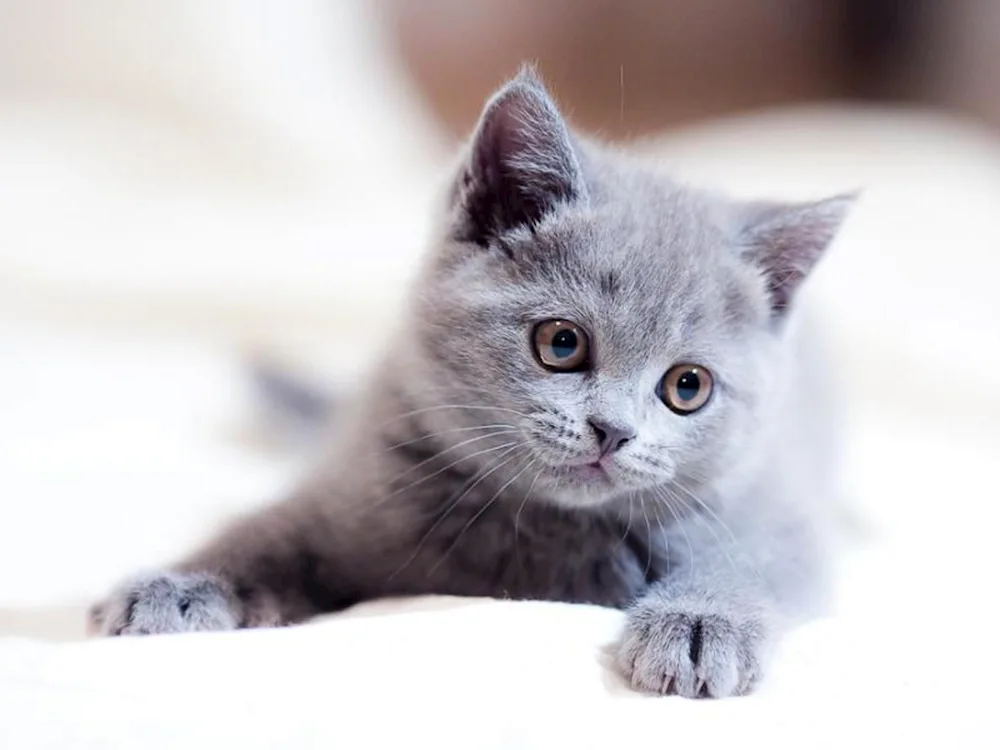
561 345
686 388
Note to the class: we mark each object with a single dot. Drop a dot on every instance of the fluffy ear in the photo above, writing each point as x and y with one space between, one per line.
520 165
785 240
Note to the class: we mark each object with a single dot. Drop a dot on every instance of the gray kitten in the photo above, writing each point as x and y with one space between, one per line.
598 395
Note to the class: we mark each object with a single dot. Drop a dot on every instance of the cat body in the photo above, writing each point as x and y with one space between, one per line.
598 394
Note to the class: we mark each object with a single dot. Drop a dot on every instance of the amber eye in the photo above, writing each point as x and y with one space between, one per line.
686 388
561 345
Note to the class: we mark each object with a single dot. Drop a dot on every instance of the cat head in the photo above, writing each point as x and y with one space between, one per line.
621 332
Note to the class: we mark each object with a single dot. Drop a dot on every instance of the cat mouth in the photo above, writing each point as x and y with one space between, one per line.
594 471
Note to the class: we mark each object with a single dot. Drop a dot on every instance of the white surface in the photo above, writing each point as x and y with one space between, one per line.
896 667
149 236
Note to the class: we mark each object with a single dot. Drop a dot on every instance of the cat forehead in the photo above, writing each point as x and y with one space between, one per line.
641 236
664 248
634 213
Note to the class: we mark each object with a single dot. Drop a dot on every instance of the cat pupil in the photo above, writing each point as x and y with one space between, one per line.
688 386
564 344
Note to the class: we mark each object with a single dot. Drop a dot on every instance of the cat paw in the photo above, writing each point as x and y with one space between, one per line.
692 651
164 603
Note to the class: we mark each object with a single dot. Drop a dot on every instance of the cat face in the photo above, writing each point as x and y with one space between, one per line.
621 332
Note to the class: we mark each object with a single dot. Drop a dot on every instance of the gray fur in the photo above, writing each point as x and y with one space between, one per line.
169 602
451 473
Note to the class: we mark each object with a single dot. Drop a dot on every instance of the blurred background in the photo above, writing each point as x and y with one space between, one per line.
186 183
681 62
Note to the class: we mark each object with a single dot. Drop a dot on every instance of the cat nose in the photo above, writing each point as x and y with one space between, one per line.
610 436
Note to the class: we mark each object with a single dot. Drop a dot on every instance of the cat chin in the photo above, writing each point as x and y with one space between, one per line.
583 490
577 500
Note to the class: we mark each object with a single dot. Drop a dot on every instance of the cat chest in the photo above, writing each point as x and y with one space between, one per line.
536 553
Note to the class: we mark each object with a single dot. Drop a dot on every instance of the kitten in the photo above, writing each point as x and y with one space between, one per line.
598 395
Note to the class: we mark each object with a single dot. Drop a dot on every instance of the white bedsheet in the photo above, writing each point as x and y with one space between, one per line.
142 249
909 659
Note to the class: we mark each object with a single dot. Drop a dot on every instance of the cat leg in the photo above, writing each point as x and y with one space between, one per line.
275 567
708 627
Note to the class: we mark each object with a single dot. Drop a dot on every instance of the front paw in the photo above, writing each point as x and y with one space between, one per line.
165 603
693 649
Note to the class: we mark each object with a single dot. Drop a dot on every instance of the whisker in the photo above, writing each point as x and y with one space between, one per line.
649 539
628 526
429 435
478 513
708 509
443 407
709 527
443 469
663 535
454 504
760 526
704 522
679 523
419 464
517 516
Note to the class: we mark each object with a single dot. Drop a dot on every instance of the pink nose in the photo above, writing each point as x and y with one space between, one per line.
610 436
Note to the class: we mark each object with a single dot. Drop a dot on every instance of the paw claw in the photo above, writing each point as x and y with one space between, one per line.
693 653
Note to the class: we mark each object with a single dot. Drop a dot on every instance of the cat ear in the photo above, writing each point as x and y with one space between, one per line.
521 163
786 240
